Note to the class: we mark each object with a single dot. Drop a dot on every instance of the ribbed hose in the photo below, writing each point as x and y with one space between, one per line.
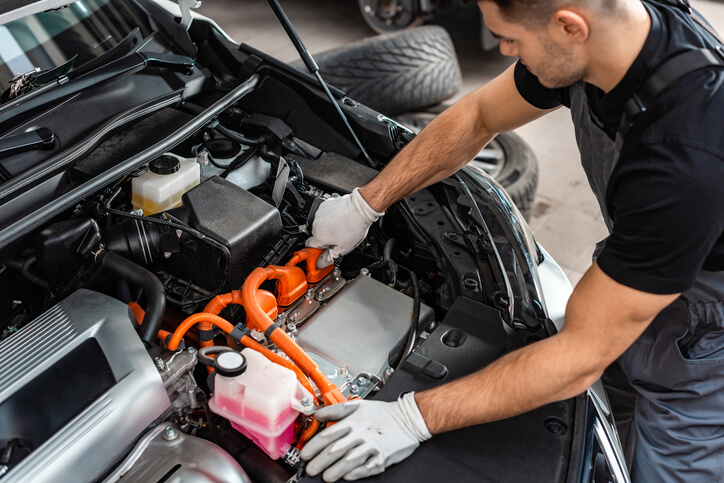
258 320
215 306
181 330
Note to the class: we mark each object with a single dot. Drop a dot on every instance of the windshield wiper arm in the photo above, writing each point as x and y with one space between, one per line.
39 139
63 87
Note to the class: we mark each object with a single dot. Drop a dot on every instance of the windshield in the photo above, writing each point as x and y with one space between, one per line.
87 28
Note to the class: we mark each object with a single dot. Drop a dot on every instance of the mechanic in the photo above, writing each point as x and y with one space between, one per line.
652 302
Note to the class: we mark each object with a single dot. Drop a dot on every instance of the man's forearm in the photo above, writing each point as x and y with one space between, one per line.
603 318
449 142
523 380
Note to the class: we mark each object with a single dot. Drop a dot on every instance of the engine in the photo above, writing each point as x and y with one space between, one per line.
186 331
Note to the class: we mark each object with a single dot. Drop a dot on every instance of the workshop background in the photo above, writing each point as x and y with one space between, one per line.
565 217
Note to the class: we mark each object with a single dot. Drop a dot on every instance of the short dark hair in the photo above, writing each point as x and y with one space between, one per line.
540 11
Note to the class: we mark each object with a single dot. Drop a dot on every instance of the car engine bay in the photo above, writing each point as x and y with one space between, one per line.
96 269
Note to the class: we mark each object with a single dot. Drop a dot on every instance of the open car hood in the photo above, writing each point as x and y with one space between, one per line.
14 9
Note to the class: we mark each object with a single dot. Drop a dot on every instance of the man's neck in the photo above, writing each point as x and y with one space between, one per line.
617 45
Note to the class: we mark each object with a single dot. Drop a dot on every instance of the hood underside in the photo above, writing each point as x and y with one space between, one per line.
14 9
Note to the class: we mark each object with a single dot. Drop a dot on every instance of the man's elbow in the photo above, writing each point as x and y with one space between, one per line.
586 362
584 382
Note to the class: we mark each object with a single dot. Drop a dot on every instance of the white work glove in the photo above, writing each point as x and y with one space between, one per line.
369 437
339 225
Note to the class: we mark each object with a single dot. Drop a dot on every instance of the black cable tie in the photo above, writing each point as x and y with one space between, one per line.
205 335
272 328
240 330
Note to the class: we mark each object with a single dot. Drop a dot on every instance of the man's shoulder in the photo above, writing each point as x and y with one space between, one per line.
689 113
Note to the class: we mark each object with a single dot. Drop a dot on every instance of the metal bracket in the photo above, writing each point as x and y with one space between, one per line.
299 313
331 286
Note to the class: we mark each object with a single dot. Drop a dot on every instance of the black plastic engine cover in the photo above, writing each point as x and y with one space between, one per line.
519 449
245 224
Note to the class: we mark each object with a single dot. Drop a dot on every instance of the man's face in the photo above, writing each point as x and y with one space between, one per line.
554 65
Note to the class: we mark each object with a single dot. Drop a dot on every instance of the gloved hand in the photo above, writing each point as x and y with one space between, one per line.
369 437
339 225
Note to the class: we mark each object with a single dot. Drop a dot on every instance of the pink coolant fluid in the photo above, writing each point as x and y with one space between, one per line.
262 403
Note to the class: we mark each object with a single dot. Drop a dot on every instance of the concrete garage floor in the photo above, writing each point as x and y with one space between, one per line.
566 218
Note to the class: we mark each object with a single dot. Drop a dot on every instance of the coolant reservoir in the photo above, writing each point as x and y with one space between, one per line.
161 188
260 398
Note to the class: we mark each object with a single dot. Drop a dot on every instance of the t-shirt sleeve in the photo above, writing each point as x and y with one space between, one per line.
666 202
534 92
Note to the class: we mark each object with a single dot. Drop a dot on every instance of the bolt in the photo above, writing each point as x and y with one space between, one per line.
337 272
555 426
306 401
354 389
389 371
192 350
160 364
170 433
365 272
361 381
297 313
309 294
344 370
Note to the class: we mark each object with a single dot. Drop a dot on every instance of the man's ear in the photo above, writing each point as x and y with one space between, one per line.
569 25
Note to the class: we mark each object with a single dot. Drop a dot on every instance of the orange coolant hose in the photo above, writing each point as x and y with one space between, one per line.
226 326
311 255
192 320
139 314
257 319
220 302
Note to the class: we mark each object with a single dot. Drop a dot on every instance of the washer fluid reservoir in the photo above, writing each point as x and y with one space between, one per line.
260 398
161 188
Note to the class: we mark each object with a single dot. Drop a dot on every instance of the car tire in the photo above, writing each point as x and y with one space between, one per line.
395 72
507 158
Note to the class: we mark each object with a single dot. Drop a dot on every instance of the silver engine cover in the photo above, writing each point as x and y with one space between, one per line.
166 454
351 336
90 442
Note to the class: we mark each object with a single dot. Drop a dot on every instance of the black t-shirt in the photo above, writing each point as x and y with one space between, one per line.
666 194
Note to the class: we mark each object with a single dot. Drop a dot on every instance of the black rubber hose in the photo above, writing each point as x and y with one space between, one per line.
389 246
414 321
203 354
30 261
137 275
235 136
